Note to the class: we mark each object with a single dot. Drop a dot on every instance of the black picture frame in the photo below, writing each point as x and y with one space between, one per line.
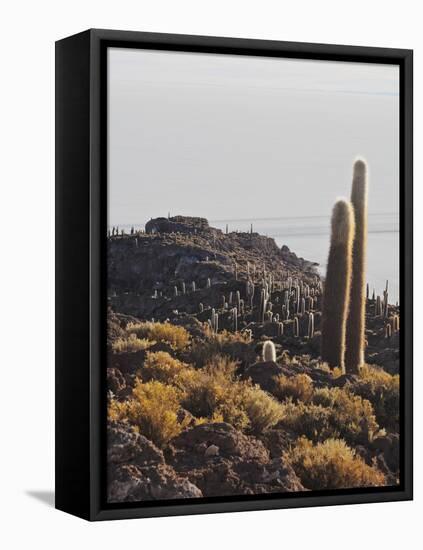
81 200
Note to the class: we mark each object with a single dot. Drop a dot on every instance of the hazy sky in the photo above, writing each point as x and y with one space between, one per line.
229 137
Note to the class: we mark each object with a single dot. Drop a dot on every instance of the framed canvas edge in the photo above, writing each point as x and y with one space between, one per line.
101 39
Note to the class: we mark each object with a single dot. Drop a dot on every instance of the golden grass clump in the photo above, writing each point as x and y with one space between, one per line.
152 409
176 337
331 465
161 366
131 344
298 387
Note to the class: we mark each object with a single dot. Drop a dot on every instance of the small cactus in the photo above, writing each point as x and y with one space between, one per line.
235 319
310 325
208 285
238 299
269 352
296 327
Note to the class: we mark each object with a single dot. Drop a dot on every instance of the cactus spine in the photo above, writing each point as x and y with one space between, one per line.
337 285
354 356
269 352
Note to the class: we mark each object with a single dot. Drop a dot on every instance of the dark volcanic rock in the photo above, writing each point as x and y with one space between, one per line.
222 461
137 470
115 380
277 441
125 446
264 374
127 363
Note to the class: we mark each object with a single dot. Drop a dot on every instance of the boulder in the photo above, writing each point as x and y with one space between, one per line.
223 461
137 470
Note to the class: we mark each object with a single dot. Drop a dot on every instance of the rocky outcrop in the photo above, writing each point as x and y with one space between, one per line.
179 224
137 470
222 461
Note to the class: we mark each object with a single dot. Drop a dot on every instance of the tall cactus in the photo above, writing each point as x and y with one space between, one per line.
354 356
337 285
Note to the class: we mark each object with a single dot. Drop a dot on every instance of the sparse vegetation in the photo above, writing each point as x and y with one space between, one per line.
233 364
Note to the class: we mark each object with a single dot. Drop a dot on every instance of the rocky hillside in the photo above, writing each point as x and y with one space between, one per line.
148 271
215 382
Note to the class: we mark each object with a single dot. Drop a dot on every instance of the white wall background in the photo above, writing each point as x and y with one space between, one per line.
28 32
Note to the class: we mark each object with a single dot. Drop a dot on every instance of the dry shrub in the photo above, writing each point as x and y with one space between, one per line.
299 387
176 337
352 415
153 409
216 394
161 366
262 409
331 465
234 344
383 391
332 413
310 420
131 344
213 391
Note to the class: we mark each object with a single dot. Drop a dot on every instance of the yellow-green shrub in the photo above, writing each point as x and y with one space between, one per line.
152 409
333 412
176 337
352 415
214 390
310 420
383 391
234 344
262 409
131 344
298 387
161 366
331 465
